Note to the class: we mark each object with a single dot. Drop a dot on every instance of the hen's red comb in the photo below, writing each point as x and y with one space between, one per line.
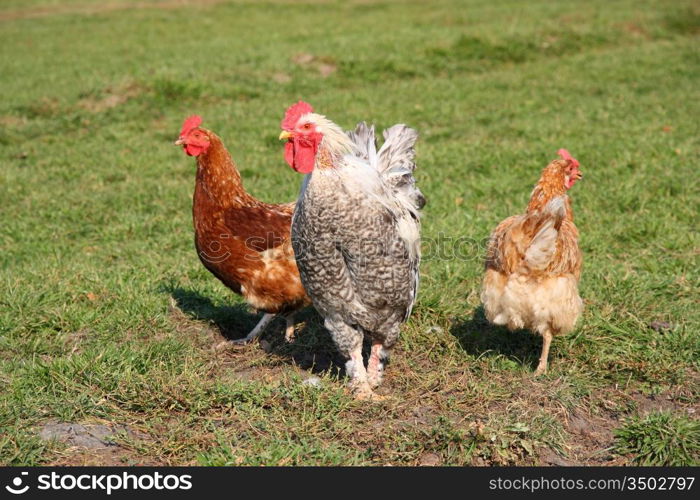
293 113
190 124
565 155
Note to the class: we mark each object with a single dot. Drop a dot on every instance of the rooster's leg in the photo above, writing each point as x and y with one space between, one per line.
348 340
375 367
289 331
546 341
355 368
255 332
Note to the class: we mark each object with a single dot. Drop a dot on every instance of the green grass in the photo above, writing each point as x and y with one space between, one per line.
661 439
96 233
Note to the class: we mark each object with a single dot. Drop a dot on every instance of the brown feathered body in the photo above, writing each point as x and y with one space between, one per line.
533 263
243 241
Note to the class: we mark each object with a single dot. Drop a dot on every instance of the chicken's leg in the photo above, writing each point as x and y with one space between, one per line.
255 332
289 331
375 367
546 341
348 340
355 368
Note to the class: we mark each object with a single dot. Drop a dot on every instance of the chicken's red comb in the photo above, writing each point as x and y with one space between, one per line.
565 155
293 113
190 124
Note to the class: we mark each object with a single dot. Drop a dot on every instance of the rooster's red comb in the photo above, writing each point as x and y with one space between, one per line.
565 155
190 124
293 113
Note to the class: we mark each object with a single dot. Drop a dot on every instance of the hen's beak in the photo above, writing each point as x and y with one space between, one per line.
285 136
578 175
180 142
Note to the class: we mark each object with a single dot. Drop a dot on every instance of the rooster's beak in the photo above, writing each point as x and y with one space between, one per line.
180 142
284 136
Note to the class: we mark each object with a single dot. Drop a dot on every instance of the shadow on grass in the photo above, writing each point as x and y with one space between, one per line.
312 349
233 321
480 338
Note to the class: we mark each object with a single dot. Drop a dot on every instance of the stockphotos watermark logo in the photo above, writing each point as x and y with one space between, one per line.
107 483
18 487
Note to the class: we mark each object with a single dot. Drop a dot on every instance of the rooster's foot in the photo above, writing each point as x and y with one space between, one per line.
369 396
364 392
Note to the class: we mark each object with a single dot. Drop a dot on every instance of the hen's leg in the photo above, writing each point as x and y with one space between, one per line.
377 361
546 341
255 333
289 331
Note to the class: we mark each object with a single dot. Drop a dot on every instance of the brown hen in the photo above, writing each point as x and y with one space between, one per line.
533 261
241 240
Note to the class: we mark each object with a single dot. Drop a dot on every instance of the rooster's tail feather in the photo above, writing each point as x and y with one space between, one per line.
395 161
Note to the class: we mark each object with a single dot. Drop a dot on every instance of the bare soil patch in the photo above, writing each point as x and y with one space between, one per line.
95 443
110 98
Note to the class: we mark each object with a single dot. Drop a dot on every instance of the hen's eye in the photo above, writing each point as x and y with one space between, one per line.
307 126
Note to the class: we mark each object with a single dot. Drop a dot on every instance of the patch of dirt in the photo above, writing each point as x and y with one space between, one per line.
422 415
587 438
94 444
591 436
430 460
595 429
548 456
655 403
325 66
281 77
590 439
111 98
635 29
12 121
87 435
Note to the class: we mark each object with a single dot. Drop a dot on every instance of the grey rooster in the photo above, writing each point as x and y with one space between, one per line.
356 234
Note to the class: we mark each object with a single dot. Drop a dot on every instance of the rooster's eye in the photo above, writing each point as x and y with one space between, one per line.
307 126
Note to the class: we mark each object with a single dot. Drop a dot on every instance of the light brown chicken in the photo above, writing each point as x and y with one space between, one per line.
241 240
533 261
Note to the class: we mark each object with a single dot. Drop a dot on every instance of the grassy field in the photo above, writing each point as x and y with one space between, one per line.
108 319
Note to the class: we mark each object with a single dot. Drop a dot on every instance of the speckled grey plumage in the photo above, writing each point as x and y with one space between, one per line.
354 257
